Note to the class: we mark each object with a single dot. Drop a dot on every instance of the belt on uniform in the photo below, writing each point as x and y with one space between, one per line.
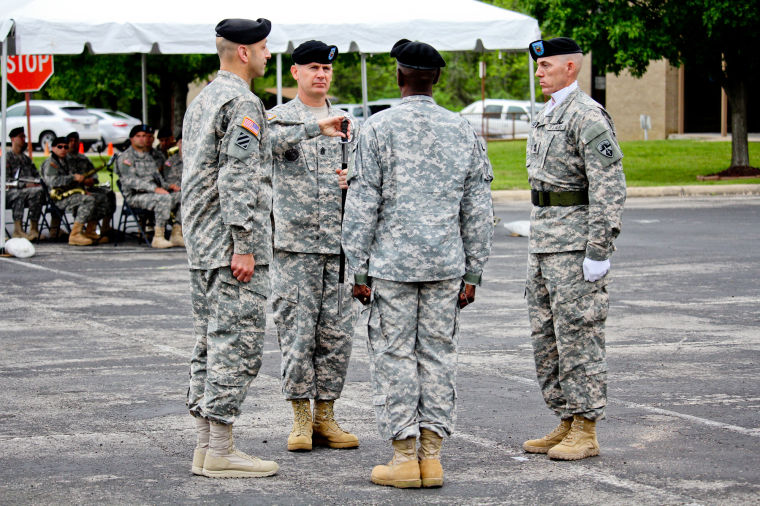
543 199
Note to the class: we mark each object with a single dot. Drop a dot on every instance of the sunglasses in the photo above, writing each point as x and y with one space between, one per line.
62 146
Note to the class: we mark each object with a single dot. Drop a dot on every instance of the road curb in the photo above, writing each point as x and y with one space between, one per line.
500 196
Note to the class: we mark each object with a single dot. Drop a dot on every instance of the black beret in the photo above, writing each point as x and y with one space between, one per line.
140 128
243 31
60 140
164 132
16 131
417 55
72 135
560 45
314 51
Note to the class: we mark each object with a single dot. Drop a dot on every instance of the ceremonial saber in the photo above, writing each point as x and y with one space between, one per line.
342 258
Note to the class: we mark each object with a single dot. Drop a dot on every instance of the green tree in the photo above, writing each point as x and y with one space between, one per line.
718 37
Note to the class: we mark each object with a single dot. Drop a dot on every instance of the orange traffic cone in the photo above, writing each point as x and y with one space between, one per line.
47 149
81 148
110 149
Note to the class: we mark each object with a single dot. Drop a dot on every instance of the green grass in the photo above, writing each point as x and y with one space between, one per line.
646 163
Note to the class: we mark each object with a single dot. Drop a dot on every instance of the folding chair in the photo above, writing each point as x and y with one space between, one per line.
138 216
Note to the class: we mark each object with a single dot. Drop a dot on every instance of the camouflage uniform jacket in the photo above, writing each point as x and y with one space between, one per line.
79 163
158 156
138 172
306 195
19 165
573 148
172 170
419 207
58 174
227 175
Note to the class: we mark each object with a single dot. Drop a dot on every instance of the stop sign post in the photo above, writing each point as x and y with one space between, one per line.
27 73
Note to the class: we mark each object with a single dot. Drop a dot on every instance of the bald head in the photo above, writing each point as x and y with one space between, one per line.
225 49
558 71
416 82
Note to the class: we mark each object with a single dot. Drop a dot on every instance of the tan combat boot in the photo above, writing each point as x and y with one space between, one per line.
429 454
91 232
34 231
223 460
300 437
551 439
202 432
579 443
18 231
327 432
76 237
403 471
176 237
159 241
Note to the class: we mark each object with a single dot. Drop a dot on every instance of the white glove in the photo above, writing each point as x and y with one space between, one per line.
594 270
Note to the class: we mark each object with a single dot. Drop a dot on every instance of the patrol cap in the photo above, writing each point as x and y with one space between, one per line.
15 132
60 140
72 135
552 47
140 128
417 55
243 31
314 51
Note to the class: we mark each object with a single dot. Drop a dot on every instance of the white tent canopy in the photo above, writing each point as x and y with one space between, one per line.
172 27
187 27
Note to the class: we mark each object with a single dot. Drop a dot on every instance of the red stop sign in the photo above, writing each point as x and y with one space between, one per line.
29 72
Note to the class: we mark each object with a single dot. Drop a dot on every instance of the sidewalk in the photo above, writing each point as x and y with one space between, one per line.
500 196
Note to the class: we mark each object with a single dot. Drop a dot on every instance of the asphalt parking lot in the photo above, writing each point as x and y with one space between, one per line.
94 348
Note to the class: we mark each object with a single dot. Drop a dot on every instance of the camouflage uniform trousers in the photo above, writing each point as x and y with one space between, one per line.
110 199
84 207
315 341
567 316
31 197
162 205
229 320
413 331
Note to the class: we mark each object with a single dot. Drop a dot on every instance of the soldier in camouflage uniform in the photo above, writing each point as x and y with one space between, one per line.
227 195
172 169
578 191
145 188
80 164
417 233
314 336
27 194
72 195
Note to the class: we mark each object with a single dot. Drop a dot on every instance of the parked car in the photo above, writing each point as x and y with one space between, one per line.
114 126
375 106
502 118
54 118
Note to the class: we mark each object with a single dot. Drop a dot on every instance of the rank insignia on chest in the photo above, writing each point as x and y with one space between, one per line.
243 140
535 148
251 126
605 148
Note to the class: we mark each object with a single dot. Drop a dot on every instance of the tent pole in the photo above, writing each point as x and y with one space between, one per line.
364 85
144 64
3 136
531 79
279 78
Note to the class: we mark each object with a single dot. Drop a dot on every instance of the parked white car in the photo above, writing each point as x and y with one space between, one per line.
375 106
54 118
114 126
502 118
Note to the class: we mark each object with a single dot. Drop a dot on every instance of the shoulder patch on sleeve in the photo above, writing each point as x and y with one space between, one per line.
251 126
241 143
606 149
126 161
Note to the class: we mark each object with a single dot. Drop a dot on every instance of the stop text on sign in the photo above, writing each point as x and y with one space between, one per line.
29 72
